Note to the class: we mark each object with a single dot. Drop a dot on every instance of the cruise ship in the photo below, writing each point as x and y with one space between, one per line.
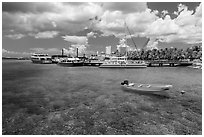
123 62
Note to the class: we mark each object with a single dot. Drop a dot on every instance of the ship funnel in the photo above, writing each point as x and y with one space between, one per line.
62 52
77 52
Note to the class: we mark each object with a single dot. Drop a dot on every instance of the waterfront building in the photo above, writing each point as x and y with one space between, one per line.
123 48
108 50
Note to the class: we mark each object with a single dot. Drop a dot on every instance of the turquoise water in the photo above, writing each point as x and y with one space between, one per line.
26 85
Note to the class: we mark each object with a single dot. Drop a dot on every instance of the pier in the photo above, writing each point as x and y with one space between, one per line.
151 63
163 63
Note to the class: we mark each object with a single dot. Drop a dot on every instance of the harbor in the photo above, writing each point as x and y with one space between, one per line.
178 61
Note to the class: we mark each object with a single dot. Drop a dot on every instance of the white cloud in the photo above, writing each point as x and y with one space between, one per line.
164 13
72 50
45 35
37 49
153 43
15 36
161 27
198 12
186 27
46 51
61 17
138 22
91 34
185 18
190 25
14 53
69 18
5 51
113 22
76 39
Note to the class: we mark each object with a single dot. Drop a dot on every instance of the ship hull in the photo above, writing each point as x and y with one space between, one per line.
185 64
42 61
70 64
123 66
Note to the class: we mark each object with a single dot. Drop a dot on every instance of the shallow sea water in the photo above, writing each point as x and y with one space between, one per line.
41 89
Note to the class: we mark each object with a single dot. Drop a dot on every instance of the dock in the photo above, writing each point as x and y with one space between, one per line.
170 63
150 63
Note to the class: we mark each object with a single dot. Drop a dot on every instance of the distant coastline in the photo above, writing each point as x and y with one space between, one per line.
16 58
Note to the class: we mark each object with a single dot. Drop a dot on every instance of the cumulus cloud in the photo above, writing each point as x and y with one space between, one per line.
35 17
91 34
164 13
15 36
45 35
45 20
46 51
14 53
49 51
186 27
153 43
73 49
76 39
161 26
113 22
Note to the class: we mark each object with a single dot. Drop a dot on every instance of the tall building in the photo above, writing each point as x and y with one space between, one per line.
108 50
122 48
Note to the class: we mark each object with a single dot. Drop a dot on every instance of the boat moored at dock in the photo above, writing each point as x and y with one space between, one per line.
185 62
122 62
58 58
70 62
41 58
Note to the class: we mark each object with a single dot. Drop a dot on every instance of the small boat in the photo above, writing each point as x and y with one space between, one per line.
144 88
185 62
197 64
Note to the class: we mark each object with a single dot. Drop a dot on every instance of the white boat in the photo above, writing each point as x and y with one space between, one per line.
145 88
41 58
185 62
122 62
58 58
70 62
197 64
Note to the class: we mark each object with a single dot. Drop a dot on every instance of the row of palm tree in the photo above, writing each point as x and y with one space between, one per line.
191 53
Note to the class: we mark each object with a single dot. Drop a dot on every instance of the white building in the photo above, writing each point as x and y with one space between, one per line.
123 47
108 50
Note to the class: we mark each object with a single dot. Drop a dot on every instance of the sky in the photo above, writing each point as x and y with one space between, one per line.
91 26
